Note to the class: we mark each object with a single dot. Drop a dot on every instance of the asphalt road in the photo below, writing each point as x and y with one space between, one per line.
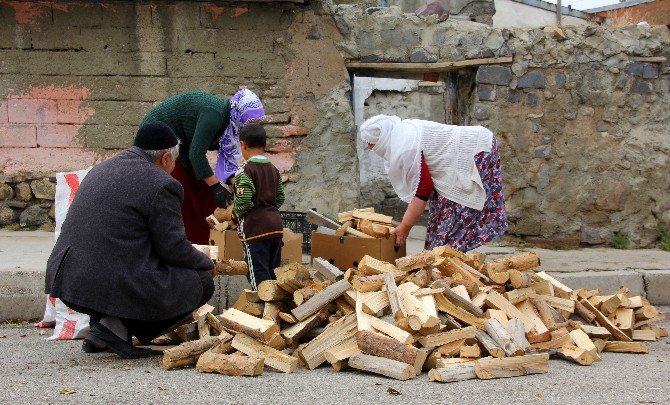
35 370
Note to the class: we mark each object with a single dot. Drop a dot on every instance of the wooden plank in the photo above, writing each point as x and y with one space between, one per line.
420 67
453 373
512 366
625 347
439 339
383 366
321 299
230 364
257 328
650 59
603 321
273 358
327 270
496 300
376 344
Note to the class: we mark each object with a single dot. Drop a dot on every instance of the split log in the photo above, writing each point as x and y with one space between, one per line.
499 315
375 230
543 287
516 331
456 372
645 335
230 364
439 339
376 303
545 313
272 357
564 304
610 305
445 351
260 329
625 347
584 313
444 305
226 267
529 311
288 318
373 283
302 295
559 288
321 299
349 215
595 331
603 321
369 266
463 303
390 330
489 344
520 279
576 354
497 301
249 302
383 366
374 217
200 312
657 318
644 313
635 302
512 366
376 344
334 334
553 343
522 261
624 319
271 311
292 277
502 338
269 290
342 351
416 314
187 332
300 329
391 291
582 341
421 278
361 317
500 278
519 295
203 328
187 354
470 351
327 270
448 362
416 261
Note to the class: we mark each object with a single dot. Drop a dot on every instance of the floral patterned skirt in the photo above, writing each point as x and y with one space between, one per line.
465 228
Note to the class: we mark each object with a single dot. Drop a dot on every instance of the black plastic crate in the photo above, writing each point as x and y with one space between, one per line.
296 222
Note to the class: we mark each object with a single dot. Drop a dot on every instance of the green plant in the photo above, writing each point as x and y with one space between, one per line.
664 236
619 240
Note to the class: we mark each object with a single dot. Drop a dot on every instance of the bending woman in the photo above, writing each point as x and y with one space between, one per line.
455 169
205 122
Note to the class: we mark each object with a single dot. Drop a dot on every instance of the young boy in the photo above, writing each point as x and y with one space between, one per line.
259 194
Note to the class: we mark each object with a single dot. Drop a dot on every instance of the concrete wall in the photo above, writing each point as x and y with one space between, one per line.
512 14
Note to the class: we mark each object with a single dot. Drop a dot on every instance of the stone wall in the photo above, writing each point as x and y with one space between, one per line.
77 77
583 126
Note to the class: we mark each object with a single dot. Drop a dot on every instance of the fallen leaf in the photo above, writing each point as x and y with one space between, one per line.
393 391
162 388
378 383
539 394
22 335
66 392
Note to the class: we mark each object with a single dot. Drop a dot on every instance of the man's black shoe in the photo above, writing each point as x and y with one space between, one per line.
88 347
100 336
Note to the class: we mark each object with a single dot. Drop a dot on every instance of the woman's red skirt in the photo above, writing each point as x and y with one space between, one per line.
198 204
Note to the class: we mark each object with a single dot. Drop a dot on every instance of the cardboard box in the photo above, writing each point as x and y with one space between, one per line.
230 246
345 252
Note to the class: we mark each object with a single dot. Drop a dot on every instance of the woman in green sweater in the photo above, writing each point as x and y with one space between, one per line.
204 122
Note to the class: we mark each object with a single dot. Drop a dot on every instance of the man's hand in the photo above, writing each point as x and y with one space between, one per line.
222 195
401 233
212 272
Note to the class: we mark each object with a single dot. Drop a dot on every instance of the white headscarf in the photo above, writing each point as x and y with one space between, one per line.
448 150
398 142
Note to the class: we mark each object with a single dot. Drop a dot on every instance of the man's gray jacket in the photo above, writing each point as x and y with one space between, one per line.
122 250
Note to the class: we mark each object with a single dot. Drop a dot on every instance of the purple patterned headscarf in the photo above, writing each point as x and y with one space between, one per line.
245 106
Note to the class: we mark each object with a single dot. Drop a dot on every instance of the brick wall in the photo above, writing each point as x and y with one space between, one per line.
654 13
77 77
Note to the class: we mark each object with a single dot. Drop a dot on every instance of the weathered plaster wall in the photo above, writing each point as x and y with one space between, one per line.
77 77
584 129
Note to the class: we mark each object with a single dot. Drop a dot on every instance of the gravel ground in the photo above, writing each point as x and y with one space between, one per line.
38 371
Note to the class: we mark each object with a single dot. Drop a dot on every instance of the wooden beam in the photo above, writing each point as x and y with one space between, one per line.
273 358
650 59
421 67
321 299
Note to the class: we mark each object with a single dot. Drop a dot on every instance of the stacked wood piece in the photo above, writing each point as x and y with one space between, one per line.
442 311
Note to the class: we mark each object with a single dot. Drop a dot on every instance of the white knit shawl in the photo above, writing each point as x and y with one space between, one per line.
448 150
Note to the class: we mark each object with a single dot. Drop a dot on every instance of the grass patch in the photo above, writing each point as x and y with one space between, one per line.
664 236
619 240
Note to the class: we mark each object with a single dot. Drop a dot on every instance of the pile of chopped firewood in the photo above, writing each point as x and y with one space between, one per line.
441 310
221 219
362 222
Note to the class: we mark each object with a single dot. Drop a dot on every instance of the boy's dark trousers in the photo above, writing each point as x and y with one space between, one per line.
262 258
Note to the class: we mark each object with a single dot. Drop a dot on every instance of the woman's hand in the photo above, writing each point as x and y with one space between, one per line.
401 233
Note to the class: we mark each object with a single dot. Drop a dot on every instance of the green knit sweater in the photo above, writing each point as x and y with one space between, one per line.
198 119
